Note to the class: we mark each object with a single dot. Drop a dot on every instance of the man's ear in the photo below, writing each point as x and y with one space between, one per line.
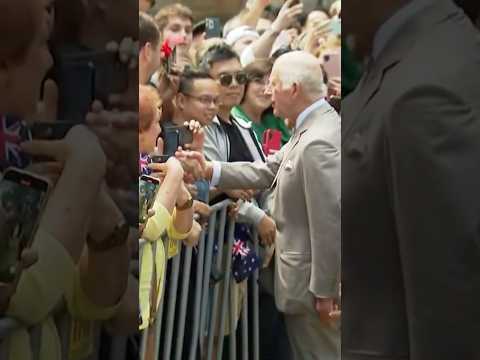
147 51
295 89
180 100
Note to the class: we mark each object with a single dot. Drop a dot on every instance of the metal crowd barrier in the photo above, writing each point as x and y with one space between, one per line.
171 323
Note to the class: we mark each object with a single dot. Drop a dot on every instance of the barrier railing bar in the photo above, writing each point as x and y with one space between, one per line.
245 327
226 287
206 274
232 317
172 301
216 288
158 322
183 303
255 291
198 298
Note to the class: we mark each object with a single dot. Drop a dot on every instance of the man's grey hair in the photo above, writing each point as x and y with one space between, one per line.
303 69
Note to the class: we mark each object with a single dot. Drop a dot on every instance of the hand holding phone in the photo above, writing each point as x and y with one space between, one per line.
147 191
175 137
22 200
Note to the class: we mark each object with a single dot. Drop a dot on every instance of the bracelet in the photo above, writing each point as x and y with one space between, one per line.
117 238
188 204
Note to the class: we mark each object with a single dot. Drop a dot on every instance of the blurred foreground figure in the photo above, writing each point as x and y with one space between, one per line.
410 175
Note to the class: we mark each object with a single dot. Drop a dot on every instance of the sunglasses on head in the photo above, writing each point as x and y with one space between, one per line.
227 79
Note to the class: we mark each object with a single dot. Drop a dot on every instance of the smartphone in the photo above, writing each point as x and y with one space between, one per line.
213 28
13 132
147 191
22 200
272 141
76 82
111 75
332 64
175 136
51 131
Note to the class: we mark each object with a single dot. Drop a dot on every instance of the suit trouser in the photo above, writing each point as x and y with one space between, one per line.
310 339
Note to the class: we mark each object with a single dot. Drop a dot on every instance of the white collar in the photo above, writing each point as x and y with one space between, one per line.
388 30
304 114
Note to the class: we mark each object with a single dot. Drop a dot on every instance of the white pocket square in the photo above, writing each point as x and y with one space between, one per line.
289 165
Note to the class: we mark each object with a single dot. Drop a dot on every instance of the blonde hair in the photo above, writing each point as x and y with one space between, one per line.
164 14
149 107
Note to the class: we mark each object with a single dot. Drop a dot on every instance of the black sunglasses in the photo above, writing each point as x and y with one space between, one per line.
227 79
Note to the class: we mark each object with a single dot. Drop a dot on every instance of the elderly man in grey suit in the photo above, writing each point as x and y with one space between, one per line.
305 175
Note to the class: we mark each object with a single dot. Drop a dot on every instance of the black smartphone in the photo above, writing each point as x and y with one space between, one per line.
175 136
22 200
13 132
76 82
147 191
51 131
213 28
111 75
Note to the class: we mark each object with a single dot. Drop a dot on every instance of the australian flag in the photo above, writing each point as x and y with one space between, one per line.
245 260
12 133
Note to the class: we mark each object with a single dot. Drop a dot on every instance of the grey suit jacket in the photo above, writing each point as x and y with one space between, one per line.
306 209
410 196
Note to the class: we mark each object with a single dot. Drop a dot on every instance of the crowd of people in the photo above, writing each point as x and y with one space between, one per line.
97 107
240 90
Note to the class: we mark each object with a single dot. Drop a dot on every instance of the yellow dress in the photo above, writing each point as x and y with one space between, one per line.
40 289
159 230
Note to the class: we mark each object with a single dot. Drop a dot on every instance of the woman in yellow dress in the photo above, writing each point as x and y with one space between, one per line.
172 214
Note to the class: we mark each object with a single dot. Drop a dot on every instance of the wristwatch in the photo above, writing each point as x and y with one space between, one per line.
188 204
117 237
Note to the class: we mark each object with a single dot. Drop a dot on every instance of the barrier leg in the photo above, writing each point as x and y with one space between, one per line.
226 288
172 300
206 274
183 303
198 297
215 300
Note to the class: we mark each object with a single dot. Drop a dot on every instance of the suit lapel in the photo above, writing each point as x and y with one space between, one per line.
296 138
393 54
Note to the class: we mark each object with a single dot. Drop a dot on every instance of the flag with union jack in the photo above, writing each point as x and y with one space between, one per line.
245 260
12 133
143 164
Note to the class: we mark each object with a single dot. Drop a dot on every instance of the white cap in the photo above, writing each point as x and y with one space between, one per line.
240 32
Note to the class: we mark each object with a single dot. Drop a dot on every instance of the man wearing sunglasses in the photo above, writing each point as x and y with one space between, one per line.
231 139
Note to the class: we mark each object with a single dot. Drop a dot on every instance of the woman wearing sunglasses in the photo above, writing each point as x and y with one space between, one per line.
256 106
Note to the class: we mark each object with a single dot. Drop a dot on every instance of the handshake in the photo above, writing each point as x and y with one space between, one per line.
191 165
